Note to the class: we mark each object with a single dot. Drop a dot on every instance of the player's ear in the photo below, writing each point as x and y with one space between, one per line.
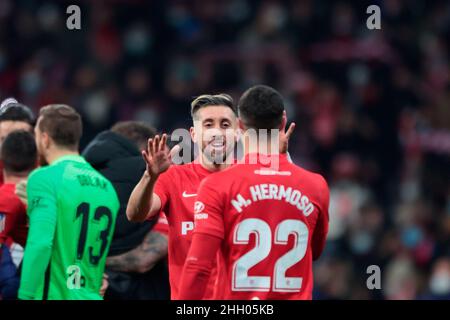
45 140
240 125
193 134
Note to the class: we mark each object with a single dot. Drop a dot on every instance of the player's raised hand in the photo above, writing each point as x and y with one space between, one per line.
284 137
157 156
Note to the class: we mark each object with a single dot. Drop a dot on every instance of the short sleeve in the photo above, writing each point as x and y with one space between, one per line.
162 225
208 208
41 194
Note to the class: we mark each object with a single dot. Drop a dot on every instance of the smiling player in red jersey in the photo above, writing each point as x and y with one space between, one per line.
172 188
269 223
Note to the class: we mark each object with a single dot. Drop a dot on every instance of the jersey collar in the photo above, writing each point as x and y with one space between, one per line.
263 158
76 158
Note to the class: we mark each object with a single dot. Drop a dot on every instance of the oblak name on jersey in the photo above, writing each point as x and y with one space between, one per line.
260 192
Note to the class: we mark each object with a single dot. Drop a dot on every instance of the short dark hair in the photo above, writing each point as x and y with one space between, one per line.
205 100
15 111
18 152
261 107
135 131
63 124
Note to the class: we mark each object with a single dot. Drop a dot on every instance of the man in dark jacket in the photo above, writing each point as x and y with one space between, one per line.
136 264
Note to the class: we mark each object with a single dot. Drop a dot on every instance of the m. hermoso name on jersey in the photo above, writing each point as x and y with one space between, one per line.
269 191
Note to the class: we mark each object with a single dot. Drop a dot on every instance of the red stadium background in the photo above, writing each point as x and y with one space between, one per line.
372 107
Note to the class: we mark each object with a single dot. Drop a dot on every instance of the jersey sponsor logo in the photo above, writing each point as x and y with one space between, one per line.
2 222
186 226
198 207
188 195
200 216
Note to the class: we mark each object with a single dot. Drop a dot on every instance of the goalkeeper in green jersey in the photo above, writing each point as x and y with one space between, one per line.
72 211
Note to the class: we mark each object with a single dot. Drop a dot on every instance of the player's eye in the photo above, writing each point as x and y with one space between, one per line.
225 124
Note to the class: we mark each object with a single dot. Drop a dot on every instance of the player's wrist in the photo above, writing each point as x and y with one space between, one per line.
150 177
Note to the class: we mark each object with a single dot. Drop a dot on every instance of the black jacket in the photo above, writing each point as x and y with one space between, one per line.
121 163
119 160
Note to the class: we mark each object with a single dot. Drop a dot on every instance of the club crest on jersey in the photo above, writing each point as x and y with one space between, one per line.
2 222
198 207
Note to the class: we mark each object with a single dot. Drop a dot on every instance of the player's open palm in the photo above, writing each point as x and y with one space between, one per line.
157 156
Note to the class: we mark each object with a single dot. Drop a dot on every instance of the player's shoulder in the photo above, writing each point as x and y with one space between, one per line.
178 168
45 173
223 177
103 181
314 179
176 171
8 198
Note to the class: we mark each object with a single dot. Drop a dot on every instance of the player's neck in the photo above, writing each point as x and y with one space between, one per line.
266 146
14 178
59 153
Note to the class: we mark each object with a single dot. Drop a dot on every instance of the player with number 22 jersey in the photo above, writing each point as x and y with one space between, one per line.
267 217
274 223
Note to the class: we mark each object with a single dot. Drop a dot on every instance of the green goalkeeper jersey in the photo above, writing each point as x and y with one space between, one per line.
72 211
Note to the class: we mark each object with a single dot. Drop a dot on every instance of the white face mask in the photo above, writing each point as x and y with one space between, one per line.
440 283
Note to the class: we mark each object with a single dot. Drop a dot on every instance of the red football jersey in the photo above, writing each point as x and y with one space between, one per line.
272 222
162 225
13 216
177 188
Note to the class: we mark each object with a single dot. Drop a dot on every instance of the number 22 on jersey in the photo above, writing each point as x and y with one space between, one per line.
241 281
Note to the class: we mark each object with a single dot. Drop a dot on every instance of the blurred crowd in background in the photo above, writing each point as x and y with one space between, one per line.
372 107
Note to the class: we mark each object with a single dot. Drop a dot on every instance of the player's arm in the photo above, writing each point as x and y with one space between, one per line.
198 265
143 202
206 240
321 229
42 219
144 257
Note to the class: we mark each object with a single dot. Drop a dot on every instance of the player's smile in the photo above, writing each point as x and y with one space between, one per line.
218 143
